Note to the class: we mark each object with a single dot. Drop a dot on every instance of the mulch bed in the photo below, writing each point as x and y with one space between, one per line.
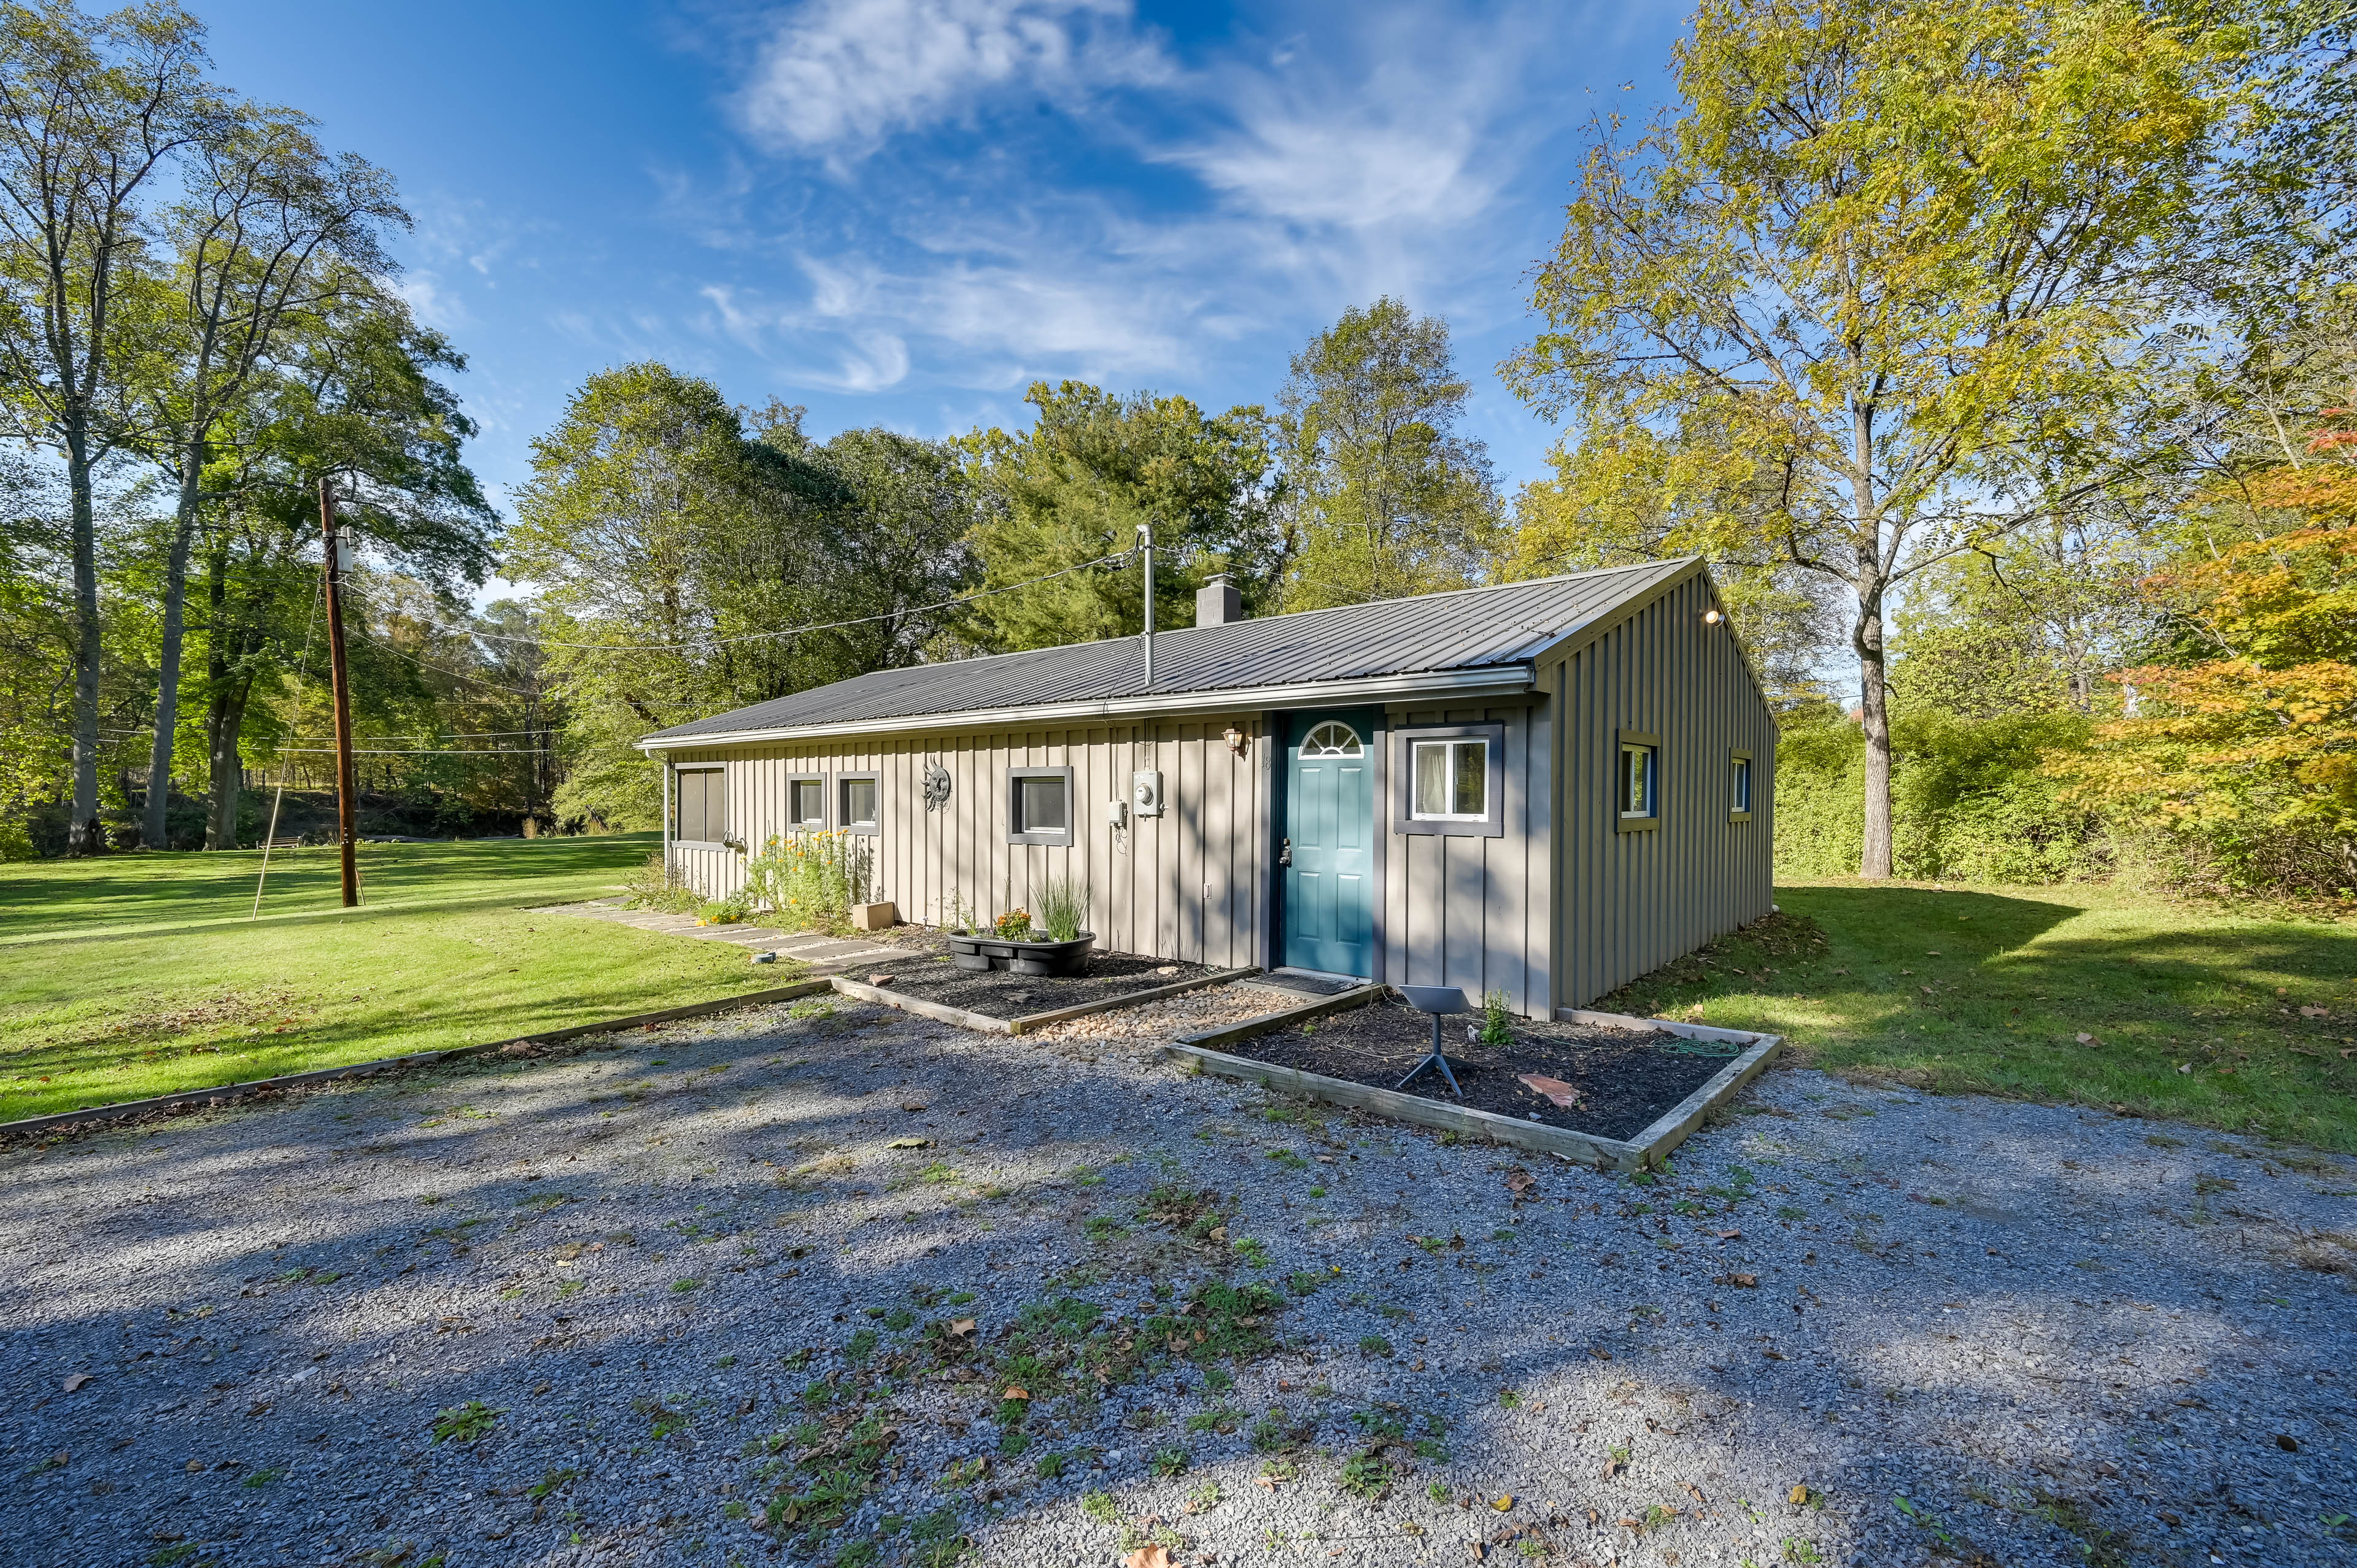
1625 1078
928 973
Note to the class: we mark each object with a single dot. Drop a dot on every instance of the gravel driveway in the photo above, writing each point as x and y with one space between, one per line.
754 1290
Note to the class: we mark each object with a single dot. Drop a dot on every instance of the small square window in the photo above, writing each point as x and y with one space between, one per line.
859 798
1039 805
806 803
1452 780
1738 800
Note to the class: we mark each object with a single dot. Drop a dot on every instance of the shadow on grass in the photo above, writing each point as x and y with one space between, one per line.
164 894
2074 994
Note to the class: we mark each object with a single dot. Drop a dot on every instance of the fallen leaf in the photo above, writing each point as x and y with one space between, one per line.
1504 1503
2315 1013
194 1465
1519 1181
912 1106
961 1328
1730 1235
1613 1468
1477 1549
1016 1391
1740 1282
2188 1067
1694 1492
1840 972
1155 1555
1775 1355
2087 1039
1553 1088
909 1144
2287 1442
1926 990
1635 1525
1800 1496
76 1382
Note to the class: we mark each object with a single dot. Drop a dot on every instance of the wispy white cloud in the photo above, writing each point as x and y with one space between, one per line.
838 76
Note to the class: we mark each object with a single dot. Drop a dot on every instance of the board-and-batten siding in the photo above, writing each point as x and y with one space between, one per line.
1558 911
1634 901
1185 885
1469 911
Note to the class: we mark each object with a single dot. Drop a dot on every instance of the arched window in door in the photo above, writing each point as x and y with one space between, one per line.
1333 738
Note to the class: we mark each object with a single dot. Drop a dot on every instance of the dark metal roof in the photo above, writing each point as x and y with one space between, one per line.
1470 628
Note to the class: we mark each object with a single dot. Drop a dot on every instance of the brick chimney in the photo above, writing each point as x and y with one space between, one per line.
1217 603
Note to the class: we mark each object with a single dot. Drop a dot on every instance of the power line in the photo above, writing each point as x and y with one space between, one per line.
368 751
440 668
1122 557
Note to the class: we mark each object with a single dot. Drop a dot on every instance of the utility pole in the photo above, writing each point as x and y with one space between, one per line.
1146 549
347 804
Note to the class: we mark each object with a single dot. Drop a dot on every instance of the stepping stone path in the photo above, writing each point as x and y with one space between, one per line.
823 954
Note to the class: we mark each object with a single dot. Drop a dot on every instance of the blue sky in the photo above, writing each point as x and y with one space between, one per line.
904 212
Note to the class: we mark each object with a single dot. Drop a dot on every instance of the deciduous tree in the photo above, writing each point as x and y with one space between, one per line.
1913 266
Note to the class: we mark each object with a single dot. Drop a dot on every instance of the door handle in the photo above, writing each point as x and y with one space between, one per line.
1284 856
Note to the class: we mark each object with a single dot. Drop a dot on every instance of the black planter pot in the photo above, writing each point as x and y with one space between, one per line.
980 954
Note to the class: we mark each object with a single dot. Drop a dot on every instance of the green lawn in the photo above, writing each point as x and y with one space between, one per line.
141 974
2242 1023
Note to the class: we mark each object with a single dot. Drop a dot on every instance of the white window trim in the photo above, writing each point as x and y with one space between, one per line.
1449 749
1490 824
1634 822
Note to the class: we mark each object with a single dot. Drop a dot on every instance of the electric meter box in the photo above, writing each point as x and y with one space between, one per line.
1146 792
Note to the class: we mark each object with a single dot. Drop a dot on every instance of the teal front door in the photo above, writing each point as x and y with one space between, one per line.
1329 918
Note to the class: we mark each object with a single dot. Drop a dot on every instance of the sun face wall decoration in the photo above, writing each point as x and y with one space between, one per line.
937 786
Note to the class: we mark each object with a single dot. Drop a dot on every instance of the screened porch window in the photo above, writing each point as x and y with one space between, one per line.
700 815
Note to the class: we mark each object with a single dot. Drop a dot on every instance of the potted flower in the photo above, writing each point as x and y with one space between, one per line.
1056 946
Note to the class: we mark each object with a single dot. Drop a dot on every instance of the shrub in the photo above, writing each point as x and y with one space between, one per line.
1970 800
652 886
810 880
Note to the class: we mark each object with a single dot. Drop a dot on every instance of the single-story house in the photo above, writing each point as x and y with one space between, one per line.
1544 789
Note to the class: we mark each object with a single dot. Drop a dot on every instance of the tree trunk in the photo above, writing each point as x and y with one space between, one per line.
83 836
223 720
168 679
1874 705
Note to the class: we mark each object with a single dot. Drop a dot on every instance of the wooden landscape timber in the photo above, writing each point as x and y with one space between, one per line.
1647 1149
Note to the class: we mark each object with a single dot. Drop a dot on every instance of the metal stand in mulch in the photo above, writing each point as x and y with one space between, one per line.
1436 1000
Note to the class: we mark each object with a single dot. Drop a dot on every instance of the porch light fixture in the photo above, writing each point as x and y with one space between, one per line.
1235 739
1710 617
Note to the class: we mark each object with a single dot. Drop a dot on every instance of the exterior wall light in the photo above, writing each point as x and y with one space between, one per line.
1235 739
1710 617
